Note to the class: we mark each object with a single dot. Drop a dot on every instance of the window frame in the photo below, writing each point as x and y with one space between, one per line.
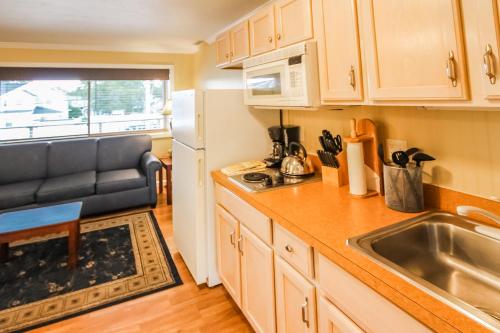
155 133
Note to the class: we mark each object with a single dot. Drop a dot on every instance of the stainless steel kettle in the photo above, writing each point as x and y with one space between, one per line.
295 165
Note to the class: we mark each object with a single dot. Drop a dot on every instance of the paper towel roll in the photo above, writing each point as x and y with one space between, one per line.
356 167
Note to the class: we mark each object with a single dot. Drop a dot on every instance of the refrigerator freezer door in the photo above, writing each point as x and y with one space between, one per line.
188 185
188 118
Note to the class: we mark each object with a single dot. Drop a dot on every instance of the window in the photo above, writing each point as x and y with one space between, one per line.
46 108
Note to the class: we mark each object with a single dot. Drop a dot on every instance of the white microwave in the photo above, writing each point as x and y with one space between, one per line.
286 78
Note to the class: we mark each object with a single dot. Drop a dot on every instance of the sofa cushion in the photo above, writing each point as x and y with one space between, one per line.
72 156
18 194
23 162
121 152
67 187
119 180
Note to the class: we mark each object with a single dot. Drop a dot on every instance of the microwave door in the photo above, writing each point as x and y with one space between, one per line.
266 84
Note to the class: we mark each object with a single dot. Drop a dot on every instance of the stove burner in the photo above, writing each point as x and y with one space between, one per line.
255 177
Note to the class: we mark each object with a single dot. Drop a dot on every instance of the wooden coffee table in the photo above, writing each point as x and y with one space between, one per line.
166 163
25 224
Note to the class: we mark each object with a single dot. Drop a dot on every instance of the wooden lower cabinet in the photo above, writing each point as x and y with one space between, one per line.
228 258
295 300
257 282
332 320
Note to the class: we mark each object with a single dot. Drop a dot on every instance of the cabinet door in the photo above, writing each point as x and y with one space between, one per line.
293 21
332 320
257 282
295 300
228 257
336 27
414 50
262 31
489 46
222 45
240 48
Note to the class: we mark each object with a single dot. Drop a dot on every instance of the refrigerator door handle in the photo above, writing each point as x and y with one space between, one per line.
199 125
200 172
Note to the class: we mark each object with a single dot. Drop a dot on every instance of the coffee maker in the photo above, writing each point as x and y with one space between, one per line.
281 137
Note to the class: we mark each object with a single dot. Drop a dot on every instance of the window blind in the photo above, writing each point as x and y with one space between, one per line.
102 74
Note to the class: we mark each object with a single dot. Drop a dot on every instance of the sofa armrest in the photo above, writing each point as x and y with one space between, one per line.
150 164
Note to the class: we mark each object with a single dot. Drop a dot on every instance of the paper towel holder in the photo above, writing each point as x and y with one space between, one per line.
365 131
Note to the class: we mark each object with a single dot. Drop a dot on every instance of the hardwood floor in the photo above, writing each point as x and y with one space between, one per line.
186 308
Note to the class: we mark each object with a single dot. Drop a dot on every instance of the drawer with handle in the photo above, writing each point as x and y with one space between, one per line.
295 251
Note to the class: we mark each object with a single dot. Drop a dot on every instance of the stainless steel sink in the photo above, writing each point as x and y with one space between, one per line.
455 259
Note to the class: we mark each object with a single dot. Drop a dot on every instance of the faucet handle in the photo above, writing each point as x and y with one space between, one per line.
467 210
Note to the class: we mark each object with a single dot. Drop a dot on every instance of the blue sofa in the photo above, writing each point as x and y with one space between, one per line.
107 174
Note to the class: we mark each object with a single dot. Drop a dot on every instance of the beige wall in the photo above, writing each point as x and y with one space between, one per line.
183 68
466 144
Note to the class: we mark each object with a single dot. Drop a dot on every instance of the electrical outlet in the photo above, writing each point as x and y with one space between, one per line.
392 145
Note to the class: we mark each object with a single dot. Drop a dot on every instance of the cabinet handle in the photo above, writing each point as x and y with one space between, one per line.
227 55
278 36
352 78
232 54
270 39
451 71
288 248
240 245
231 239
305 312
488 64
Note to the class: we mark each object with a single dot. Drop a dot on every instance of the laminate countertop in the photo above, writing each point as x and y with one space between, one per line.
325 217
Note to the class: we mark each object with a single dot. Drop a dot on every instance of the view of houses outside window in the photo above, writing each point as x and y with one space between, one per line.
53 108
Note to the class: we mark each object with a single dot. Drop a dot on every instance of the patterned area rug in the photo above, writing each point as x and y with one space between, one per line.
121 257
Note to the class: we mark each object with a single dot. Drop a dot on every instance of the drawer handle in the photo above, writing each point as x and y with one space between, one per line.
288 248
451 71
270 39
278 36
352 78
488 64
231 239
240 245
305 312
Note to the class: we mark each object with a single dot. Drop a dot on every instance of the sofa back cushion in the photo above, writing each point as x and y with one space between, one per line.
72 156
121 152
23 162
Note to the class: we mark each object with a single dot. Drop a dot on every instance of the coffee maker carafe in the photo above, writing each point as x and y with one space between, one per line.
281 137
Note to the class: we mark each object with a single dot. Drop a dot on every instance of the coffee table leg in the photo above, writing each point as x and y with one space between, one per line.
73 244
4 252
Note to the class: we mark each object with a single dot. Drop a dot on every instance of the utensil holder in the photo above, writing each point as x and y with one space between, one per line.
336 177
403 189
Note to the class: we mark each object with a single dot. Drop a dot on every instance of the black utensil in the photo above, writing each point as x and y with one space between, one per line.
337 143
380 152
400 158
412 151
322 142
421 157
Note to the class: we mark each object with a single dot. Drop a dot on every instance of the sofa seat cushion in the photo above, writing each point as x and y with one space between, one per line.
119 180
18 194
67 187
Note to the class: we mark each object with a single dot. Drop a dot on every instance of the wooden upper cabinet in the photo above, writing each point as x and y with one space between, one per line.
336 27
240 48
228 257
223 49
293 21
489 46
262 31
414 50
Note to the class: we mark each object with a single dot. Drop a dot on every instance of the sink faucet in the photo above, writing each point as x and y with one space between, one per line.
466 210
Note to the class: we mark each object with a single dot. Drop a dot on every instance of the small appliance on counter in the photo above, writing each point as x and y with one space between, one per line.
281 136
269 179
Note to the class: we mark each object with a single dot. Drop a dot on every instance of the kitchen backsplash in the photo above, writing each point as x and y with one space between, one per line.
466 144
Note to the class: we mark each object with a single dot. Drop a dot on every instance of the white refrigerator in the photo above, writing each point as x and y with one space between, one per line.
211 129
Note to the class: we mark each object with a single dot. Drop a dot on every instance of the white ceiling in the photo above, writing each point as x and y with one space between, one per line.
125 25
